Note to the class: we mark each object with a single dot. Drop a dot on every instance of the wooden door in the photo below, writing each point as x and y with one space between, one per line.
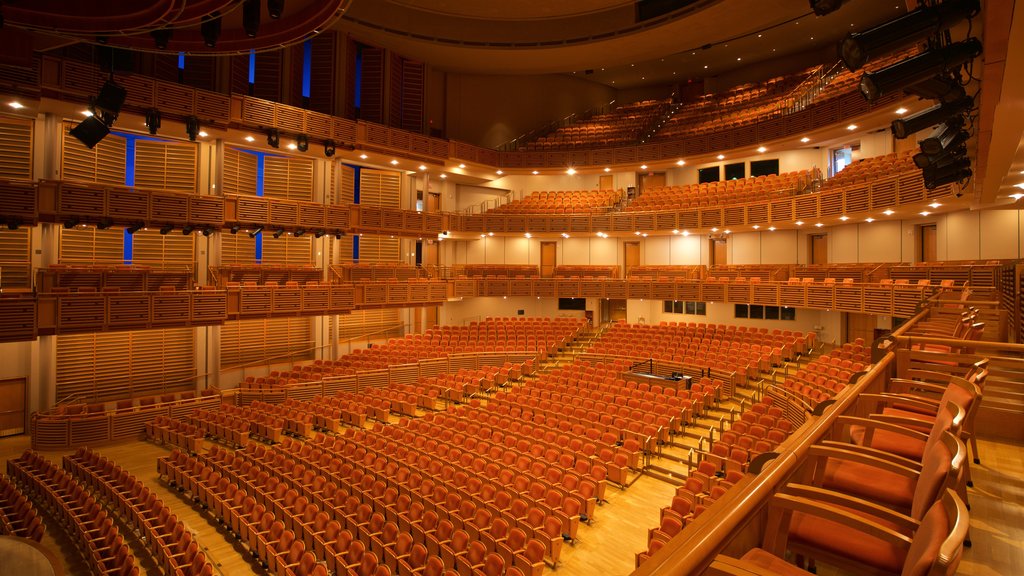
817 252
652 180
548 259
606 182
631 255
12 406
718 252
926 248
616 310
433 202
860 326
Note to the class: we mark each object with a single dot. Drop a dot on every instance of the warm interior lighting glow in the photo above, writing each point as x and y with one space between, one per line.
762 149
851 127
16 105
681 163
869 220
363 156
721 156
805 139
901 110
799 222
643 166
888 212
935 205
571 171
394 162
250 139
844 218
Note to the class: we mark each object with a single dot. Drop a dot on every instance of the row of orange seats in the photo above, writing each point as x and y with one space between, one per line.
17 516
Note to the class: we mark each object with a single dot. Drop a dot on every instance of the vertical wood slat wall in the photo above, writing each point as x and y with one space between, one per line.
265 340
150 248
89 245
288 178
104 164
166 165
16 143
15 258
110 365
371 97
239 172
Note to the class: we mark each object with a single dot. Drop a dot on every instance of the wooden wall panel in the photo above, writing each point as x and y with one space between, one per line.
237 249
380 188
166 165
109 365
239 175
173 250
15 258
277 340
288 178
288 250
15 148
89 245
103 164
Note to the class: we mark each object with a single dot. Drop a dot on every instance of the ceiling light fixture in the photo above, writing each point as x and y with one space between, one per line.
16 105
273 138
330 148
302 142
762 149
799 222
363 156
805 139
771 228
869 220
721 156
680 162
757 227
934 205
851 127
250 139
571 171
499 172
844 218
888 212
607 169
394 162
901 111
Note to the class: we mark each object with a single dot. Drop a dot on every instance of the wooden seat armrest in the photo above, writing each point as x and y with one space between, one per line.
833 505
729 566
904 386
874 424
905 399
879 454
901 421
852 453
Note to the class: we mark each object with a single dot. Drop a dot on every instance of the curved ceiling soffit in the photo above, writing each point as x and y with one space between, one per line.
422 25
92 17
309 20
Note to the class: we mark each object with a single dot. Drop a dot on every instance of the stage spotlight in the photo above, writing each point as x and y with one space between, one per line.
319 233
904 127
153 120
329 148
302 142
187 229
192 127
949 136
161 37
275 8
134 228
90 131
210 29
255 231
874 85
104 223
338 235
279 232
109 101
955 172
72 222
823 7
207 231
300 232
251 17
944 158
945 89
860 47
166 229
273 138
13 224
235 229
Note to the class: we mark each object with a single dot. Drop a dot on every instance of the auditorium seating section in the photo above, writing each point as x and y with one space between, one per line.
621 126
379 272
724 192
722 349
869 169
501 270
586 271
665 272
17 516
262 275
563 202
743 272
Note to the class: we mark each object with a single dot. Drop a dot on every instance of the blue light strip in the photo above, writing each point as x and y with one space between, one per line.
260 161
127 245
181 60
355 248
307 60
355 178
252 66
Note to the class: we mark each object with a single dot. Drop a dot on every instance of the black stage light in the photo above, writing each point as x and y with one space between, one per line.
302 142
109 101
279 233
275 8
235 229
104 223
166 229
134 228
161 37
904 127
251 17
13 224
210 29
72 222
192 127
90 131
255 231
944 158
273 138
941 88
338 235
207 231
860 47
300 232
187 229
955 172
319 233
823 7
329 148
874 85
949 136
153 120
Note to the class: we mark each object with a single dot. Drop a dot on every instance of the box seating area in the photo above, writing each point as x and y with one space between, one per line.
869 169
64 278
17 516
738 106
263 274
725 349
864 272
278 378
956 273
745 272
665 272
586 271
562 202
74 507
621 126
826 376
738 191
373 272
172 547
500 270
127 404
